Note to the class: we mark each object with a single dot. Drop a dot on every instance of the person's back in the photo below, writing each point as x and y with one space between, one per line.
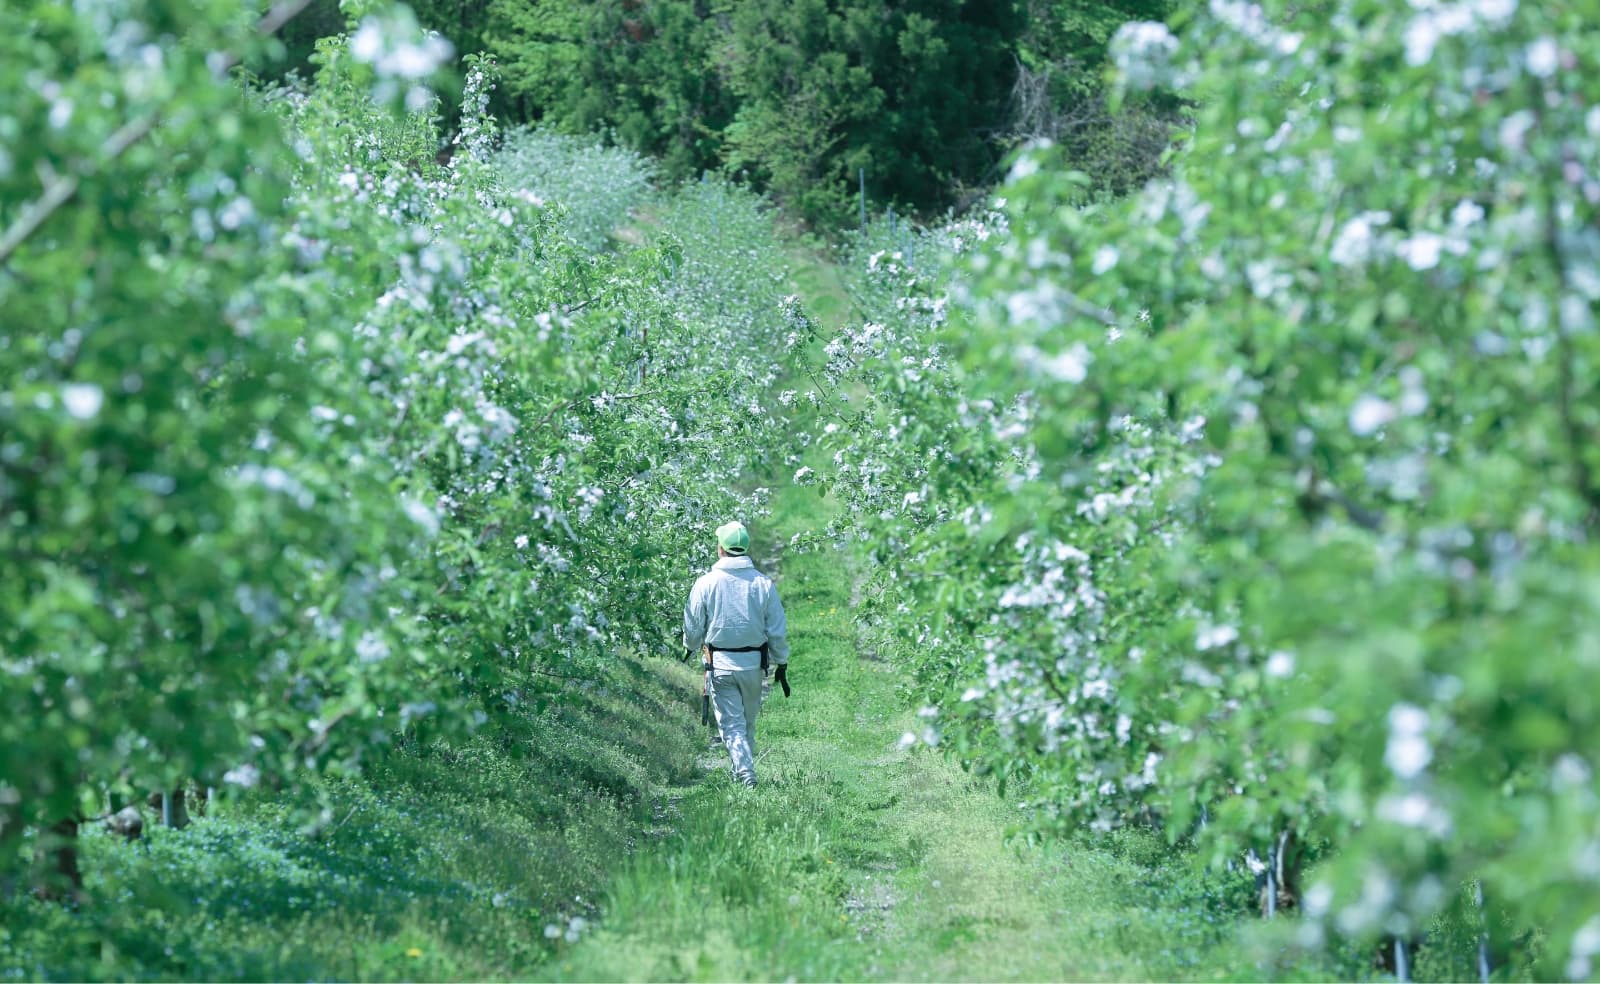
735 615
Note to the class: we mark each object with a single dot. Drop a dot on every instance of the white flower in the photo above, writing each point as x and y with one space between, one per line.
1215 636
397 49
1514 129
1585 944
1318 898
1071 366
804 476
522 541
1543 58
1142 52
1370 413
1466 213
414 61
422 516
1495 11
82 400
1280 664
1571 772
1422 251
60 114
372 648
1408 751
246 775
1408 719
1421 35
1410 810
1407 755
367 43
1105 258
1355 243
1026 166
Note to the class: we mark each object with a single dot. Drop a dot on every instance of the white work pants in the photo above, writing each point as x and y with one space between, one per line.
736 696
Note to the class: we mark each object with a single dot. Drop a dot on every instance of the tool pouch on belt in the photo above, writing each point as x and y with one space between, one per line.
763 649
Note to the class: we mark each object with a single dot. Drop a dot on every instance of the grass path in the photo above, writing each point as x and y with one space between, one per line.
856 859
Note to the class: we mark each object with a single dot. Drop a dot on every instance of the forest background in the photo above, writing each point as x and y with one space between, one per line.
801 99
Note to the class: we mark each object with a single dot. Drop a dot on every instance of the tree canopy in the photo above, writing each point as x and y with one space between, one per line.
923 97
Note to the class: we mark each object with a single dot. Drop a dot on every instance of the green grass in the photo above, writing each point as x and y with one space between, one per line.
857 859
444 862
818 281
610 823
603 840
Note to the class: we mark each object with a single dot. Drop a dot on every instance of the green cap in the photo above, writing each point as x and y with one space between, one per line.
733 537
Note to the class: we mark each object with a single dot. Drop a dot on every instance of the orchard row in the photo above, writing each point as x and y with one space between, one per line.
317 439
1264 504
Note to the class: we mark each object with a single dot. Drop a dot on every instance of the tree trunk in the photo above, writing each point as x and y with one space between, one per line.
56 874
1278 882
10 833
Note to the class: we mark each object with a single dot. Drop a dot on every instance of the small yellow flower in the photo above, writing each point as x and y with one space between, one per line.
414 952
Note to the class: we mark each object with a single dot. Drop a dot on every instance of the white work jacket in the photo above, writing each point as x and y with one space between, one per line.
735 605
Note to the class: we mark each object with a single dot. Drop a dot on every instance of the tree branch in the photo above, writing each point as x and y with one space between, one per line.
64 188
1572 429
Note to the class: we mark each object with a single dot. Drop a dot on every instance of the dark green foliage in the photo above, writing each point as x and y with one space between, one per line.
1060 93
801 96
910 93
796 96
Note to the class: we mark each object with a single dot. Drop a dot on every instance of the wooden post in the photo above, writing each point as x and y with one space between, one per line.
863 176
1272 879
1484 967
174 812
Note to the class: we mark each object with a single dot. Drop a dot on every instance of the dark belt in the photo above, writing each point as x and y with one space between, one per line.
762 649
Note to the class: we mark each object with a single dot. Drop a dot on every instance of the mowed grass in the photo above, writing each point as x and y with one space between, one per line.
603 840
445 862
859 859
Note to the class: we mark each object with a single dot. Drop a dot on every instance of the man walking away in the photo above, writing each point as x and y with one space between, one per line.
734 612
